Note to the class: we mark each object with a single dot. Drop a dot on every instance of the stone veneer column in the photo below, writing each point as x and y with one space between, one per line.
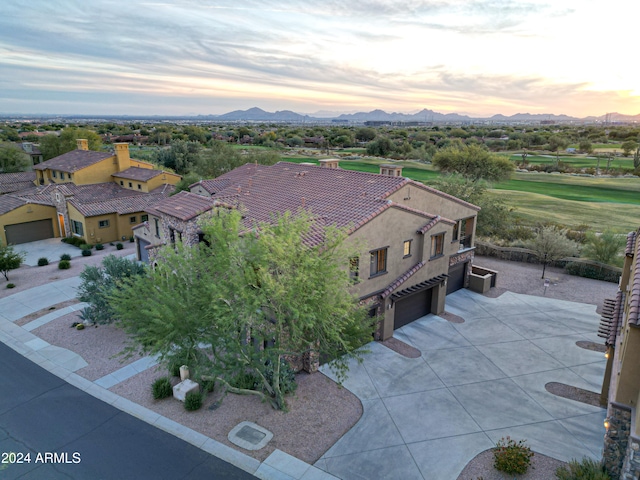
616 439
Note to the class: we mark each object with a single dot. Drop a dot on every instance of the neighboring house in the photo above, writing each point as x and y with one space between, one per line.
620 326
33 151
98 196
13 182
416 243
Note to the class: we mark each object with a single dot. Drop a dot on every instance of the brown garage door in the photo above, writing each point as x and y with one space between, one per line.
412 307
29 232
456 277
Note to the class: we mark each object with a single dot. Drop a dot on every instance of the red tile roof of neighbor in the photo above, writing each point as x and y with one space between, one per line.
73 161
13 182
631 240
139 174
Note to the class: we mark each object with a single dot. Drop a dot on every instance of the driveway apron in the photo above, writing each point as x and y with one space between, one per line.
476 382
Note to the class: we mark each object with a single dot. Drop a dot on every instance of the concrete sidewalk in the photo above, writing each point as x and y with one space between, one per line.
475 382
62 363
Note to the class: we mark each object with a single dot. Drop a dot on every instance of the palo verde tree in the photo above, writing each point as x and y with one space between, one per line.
255 298
605 248
551 244
473 162
97 283
9 259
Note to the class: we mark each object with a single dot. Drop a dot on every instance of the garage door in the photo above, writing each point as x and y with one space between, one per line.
412 307
143 253
29 232
456 277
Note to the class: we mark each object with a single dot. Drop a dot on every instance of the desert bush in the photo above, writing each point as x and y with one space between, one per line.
511 456
64 265
86 252
244 381
161 388
287 377
11 285
42 261
587 469
193 401
99 246
65 256
119 246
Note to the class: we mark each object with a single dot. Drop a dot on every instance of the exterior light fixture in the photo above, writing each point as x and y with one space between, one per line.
607 423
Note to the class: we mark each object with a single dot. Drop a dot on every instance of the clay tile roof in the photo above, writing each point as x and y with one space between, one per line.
634 293
73 161
184 205
9 203
13 182
631 240
393 286
429 225
138 174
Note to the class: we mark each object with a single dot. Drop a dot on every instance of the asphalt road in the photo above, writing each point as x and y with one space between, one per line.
69 434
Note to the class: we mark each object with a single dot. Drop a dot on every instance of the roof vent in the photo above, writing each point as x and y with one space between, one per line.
329 163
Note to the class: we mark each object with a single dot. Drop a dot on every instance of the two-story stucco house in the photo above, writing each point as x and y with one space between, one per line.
416 242
97 196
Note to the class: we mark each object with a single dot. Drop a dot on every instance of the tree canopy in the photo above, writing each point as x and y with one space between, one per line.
473 162
551 244
605 248
53 146
13 159
9 259
247 303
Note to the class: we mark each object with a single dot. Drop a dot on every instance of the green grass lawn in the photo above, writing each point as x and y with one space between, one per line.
575 161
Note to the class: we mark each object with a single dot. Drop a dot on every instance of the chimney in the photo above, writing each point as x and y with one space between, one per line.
83 144
122 156
329 163
391 170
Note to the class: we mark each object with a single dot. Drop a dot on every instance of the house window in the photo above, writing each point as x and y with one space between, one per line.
144 218
132 219
54 174
103 223
121 183
157 222
455 232
61 175
130 185
76 228
466 232
437 245
354 269
406 249
173 234
378 262
139 187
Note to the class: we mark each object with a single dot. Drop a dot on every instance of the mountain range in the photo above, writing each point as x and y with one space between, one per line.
256 114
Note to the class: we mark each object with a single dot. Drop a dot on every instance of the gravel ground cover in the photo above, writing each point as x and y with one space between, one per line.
99 346
320 412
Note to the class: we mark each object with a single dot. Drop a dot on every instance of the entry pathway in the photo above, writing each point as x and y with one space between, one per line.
475 382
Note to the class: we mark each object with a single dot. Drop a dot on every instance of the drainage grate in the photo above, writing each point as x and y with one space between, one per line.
250 436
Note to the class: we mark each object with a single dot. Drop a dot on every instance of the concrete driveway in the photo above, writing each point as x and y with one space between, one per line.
51 249
475 382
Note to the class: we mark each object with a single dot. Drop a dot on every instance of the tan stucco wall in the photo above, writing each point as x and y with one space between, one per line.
74 214
95 234
148 232
432 203
628 387
199 190
391 229
28 213
97 173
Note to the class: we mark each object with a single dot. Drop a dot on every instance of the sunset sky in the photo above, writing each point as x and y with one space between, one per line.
184 57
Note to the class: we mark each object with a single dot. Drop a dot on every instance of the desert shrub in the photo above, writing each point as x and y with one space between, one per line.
119 246
65 256
86 252
99 246
64 265
161 388
512 457
193 401
245 381
86 246
208 386
11 285
287 377
587 469
586 270
42 261
132 239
